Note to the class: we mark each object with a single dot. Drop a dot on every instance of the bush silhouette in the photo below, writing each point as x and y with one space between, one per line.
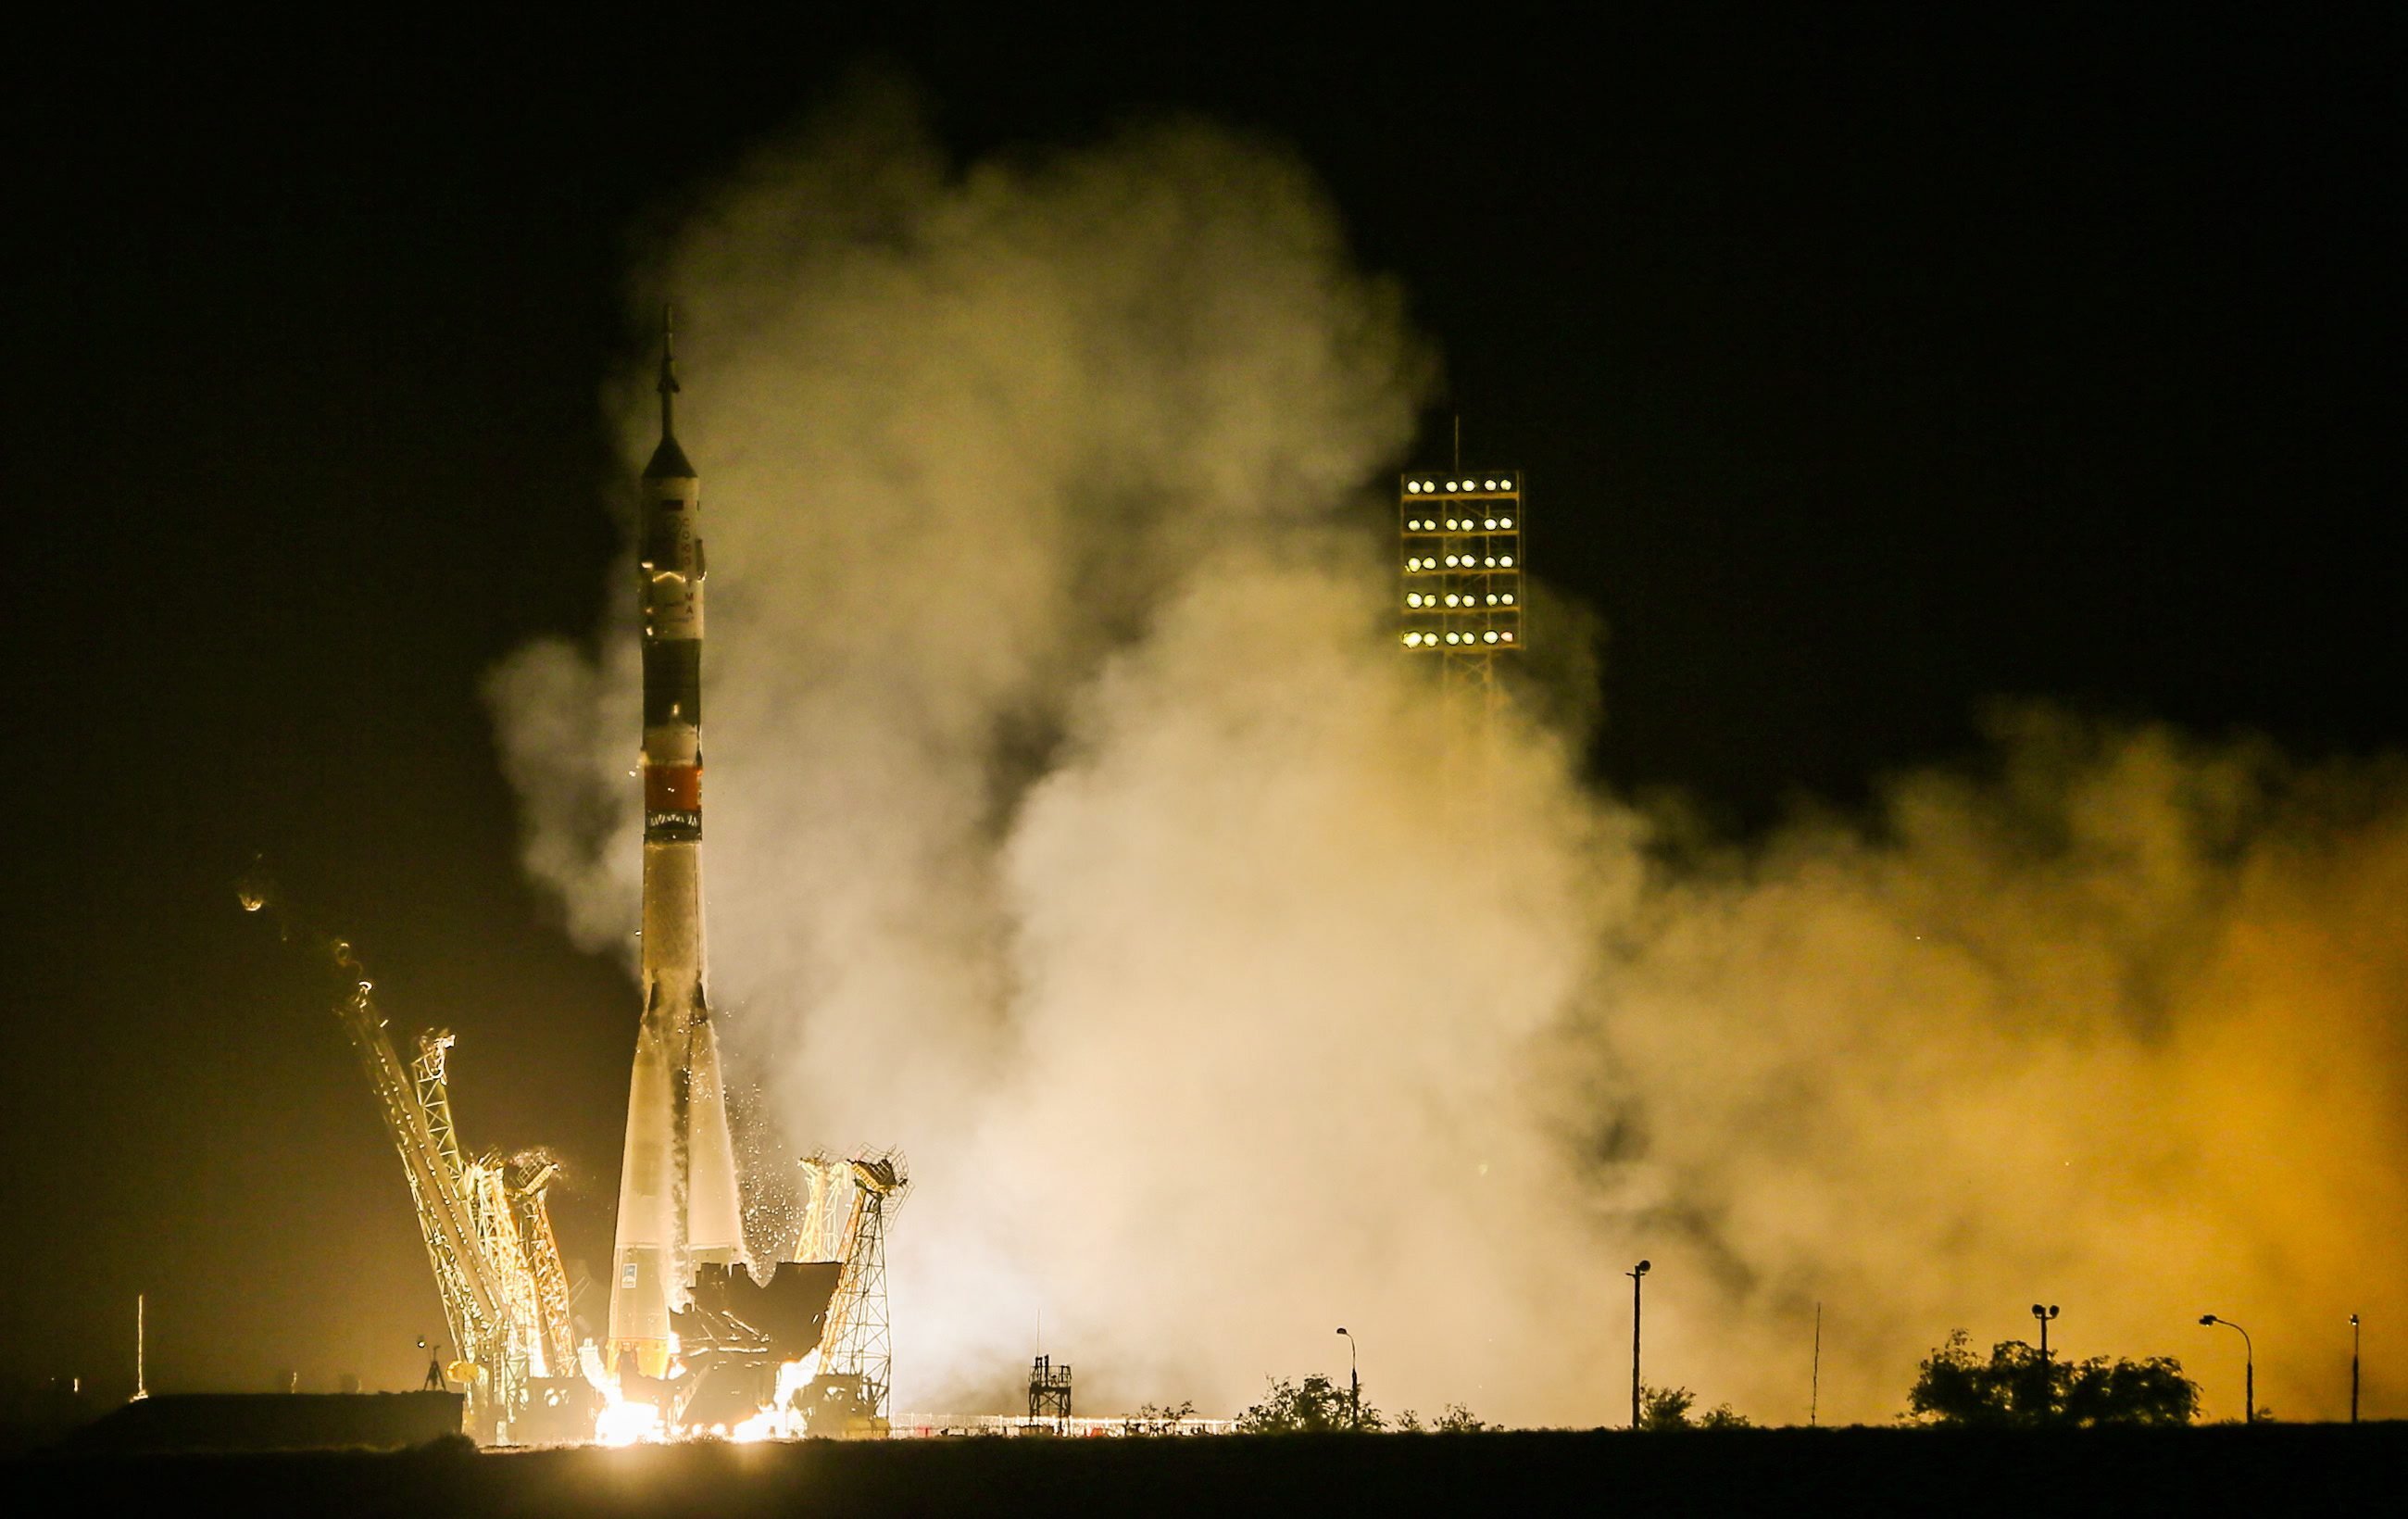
2016 1388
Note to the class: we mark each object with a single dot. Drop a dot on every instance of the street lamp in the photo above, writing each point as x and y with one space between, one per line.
2353 1368
1354 1382
2248 1362
1634 1275
2043 1314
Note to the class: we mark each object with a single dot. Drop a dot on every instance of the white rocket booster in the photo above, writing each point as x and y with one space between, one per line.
678 1205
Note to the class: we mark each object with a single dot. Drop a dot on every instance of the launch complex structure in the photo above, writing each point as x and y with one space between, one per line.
706 1335
696 1342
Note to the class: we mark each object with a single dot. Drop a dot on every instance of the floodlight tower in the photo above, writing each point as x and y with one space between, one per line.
1459 557
1460 533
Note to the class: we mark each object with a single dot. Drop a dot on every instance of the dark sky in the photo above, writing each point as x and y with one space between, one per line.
1862 375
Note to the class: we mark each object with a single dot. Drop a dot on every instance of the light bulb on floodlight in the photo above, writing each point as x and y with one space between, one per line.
1490 523
1509 637
1491 637
1505 484
1509 598
1504 522
1509 561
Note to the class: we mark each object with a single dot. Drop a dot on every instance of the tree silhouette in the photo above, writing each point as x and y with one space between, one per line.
1668 1408
2016 1388
1314 1407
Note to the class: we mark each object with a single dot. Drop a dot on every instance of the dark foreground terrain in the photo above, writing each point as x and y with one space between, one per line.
2270 1469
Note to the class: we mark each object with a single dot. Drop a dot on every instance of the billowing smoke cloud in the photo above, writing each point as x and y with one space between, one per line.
1076 824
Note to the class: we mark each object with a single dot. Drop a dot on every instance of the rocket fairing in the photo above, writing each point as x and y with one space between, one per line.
678 1205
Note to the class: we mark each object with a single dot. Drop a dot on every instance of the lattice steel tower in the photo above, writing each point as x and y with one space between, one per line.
856 1345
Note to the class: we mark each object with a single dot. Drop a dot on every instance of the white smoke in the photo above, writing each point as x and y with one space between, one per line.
1076 824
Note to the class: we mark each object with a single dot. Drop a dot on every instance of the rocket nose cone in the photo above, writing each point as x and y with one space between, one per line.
668 462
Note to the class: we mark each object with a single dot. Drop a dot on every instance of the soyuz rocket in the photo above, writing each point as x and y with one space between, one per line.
678 1207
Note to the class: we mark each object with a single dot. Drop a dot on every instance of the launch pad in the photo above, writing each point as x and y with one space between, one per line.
703 1337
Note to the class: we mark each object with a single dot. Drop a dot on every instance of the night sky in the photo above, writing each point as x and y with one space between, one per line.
1861 377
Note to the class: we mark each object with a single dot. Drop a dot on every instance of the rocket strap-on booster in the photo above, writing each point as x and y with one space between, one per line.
678 1205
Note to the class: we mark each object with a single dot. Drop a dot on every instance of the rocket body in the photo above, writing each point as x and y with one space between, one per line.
678 1204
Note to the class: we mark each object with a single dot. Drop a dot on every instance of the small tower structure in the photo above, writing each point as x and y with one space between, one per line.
1049 1390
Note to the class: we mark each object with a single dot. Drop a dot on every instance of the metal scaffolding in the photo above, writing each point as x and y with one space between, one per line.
856 1381
488 1235
1049 1390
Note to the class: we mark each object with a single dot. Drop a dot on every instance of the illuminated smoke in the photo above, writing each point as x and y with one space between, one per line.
1077 827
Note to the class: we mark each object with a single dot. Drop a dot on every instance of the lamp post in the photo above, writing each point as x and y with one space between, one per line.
1634 1275
2353 1368
2249 1366
1353 1383
2043 1314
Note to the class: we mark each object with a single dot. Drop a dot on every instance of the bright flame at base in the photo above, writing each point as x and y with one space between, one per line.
766 1424
621 1423
625 1424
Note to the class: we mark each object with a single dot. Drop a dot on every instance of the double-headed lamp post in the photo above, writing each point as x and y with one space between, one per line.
1353 1383
2043 1314
2248 1364
1634 1274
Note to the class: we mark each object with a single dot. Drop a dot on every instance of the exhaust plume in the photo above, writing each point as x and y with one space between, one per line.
1079 829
